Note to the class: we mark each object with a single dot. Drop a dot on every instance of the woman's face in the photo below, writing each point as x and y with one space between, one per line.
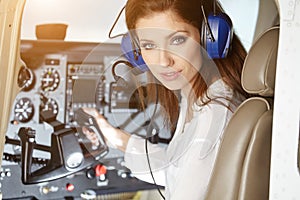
170 48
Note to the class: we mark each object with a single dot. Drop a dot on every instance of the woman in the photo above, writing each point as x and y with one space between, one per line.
168 34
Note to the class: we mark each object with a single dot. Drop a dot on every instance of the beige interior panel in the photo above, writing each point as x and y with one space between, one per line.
10 61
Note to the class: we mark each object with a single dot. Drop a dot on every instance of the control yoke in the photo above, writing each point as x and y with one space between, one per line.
72 149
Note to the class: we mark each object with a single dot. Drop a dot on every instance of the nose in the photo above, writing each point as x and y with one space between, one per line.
165 58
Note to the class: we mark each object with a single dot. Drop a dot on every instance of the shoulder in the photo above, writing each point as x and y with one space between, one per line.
219 89
218 94
211 111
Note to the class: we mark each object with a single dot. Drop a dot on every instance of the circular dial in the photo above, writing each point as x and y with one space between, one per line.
23 110
26 78
50 104
50 79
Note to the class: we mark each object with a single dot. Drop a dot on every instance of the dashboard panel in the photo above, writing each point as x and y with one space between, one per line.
64 77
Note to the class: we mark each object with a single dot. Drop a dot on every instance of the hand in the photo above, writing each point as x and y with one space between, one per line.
93 112
115 138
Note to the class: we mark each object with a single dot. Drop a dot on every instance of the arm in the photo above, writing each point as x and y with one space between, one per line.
134 147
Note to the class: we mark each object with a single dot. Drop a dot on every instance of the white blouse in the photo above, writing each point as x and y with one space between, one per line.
184 167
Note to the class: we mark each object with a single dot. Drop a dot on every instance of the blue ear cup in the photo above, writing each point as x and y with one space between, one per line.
132 53
217 41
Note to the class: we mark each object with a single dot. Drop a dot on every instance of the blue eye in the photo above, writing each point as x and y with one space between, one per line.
148 46
177 40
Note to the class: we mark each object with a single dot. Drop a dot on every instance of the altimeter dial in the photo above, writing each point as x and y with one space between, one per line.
50 79
24 110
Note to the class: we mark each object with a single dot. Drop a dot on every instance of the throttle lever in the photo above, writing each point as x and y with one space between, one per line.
66 156
27 136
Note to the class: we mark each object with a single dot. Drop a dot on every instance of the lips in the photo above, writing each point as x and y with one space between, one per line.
170 76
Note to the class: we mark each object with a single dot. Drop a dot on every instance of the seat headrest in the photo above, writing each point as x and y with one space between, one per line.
258 75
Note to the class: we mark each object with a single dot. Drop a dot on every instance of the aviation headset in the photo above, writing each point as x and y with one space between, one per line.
216 36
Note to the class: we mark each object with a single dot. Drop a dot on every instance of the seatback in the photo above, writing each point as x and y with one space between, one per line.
242 167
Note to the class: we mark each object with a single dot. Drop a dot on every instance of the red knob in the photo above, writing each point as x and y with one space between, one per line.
100 170
70 187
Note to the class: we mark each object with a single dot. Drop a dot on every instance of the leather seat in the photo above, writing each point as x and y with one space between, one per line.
242 168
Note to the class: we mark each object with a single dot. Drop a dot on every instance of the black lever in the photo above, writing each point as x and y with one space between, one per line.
72 149
66 156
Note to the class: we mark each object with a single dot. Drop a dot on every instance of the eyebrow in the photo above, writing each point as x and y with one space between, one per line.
174 33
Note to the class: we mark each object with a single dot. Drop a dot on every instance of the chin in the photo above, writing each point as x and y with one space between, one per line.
173 87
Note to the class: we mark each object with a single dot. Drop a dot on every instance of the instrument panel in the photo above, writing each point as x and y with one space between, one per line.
62 78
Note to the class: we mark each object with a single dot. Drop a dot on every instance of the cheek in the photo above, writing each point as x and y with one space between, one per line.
148 57
189 71
192 57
